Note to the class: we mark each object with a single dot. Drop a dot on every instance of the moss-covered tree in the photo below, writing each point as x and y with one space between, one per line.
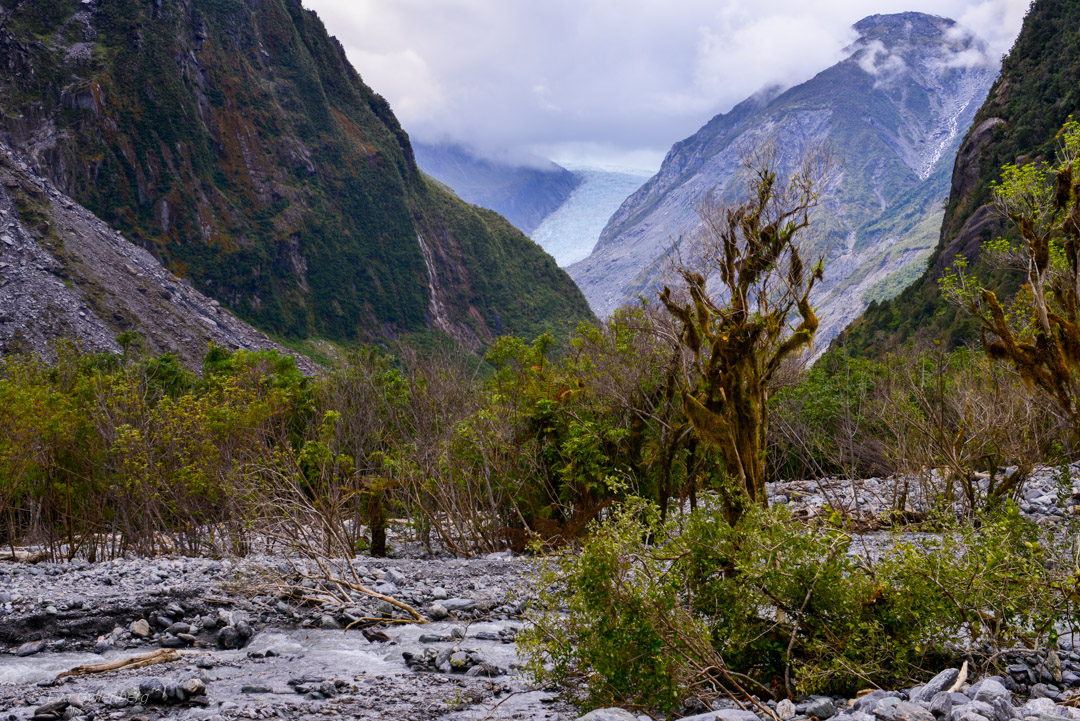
738 329
1040 333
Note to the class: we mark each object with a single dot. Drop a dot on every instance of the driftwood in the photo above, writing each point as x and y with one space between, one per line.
163 655
19 555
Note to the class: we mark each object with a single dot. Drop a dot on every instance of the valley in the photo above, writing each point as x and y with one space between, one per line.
326 392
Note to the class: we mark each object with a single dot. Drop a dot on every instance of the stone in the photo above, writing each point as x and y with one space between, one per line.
867 702
1038 707
883 709
942 682
173 642
1020 672
193 687
484 669
941 704
439 594
178 628
329 622
459 660
785 709
989 689
727 714
438 612
430 638
458 604
396 577
907 711
608 714
152 690
821 707
30 648
228 637
140 628
1004 710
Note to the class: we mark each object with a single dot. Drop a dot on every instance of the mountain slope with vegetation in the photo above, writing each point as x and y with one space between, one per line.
894 111
1037 91
523 194
234 140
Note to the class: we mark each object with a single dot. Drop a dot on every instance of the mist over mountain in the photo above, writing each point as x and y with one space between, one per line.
894 110
522 192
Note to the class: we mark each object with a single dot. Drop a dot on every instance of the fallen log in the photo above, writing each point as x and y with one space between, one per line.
162 655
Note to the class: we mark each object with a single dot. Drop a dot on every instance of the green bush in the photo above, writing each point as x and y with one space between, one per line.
651 612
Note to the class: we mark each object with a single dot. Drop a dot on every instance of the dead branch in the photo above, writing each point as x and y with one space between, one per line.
162 655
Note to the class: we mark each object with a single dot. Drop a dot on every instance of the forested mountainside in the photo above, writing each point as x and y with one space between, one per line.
1037 91
233 140
523 194
894 112
66 276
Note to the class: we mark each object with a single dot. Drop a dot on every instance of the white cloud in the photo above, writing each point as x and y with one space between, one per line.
622 75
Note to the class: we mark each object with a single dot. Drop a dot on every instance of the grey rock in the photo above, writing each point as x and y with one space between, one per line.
484 669
396 577
936 685
438 612
178 628
785 709
439 593
1004 710
459 660
30 648
459 604
193 687
152 690
329 622
608 714
821 707
1021 672
979 707
883 709
866 703
728 714
941 704
989 689
228 637
1038 707
140 628
907 711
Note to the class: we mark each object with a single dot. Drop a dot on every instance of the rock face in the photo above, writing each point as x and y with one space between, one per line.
65 274
523 194
233 140
894 111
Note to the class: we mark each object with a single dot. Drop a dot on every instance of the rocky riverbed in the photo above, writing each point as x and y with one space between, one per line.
241 645
245 651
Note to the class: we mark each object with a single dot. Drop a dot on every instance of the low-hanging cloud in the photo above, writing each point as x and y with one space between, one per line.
611 77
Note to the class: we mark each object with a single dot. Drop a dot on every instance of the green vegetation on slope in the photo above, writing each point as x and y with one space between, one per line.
235 141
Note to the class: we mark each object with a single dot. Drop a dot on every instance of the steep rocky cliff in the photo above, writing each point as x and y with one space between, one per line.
894 111
65 274
1037 91
233 140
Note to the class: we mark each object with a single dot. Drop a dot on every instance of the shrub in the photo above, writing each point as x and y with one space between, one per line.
651 612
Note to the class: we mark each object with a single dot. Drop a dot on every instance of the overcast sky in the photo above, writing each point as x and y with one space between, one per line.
611 80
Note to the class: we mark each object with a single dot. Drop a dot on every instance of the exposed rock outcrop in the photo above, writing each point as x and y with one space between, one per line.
65 274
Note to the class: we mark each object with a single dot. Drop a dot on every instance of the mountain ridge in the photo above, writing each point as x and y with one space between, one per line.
1037 91
895 108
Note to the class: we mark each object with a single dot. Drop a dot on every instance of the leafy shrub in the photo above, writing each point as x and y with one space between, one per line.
650 612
